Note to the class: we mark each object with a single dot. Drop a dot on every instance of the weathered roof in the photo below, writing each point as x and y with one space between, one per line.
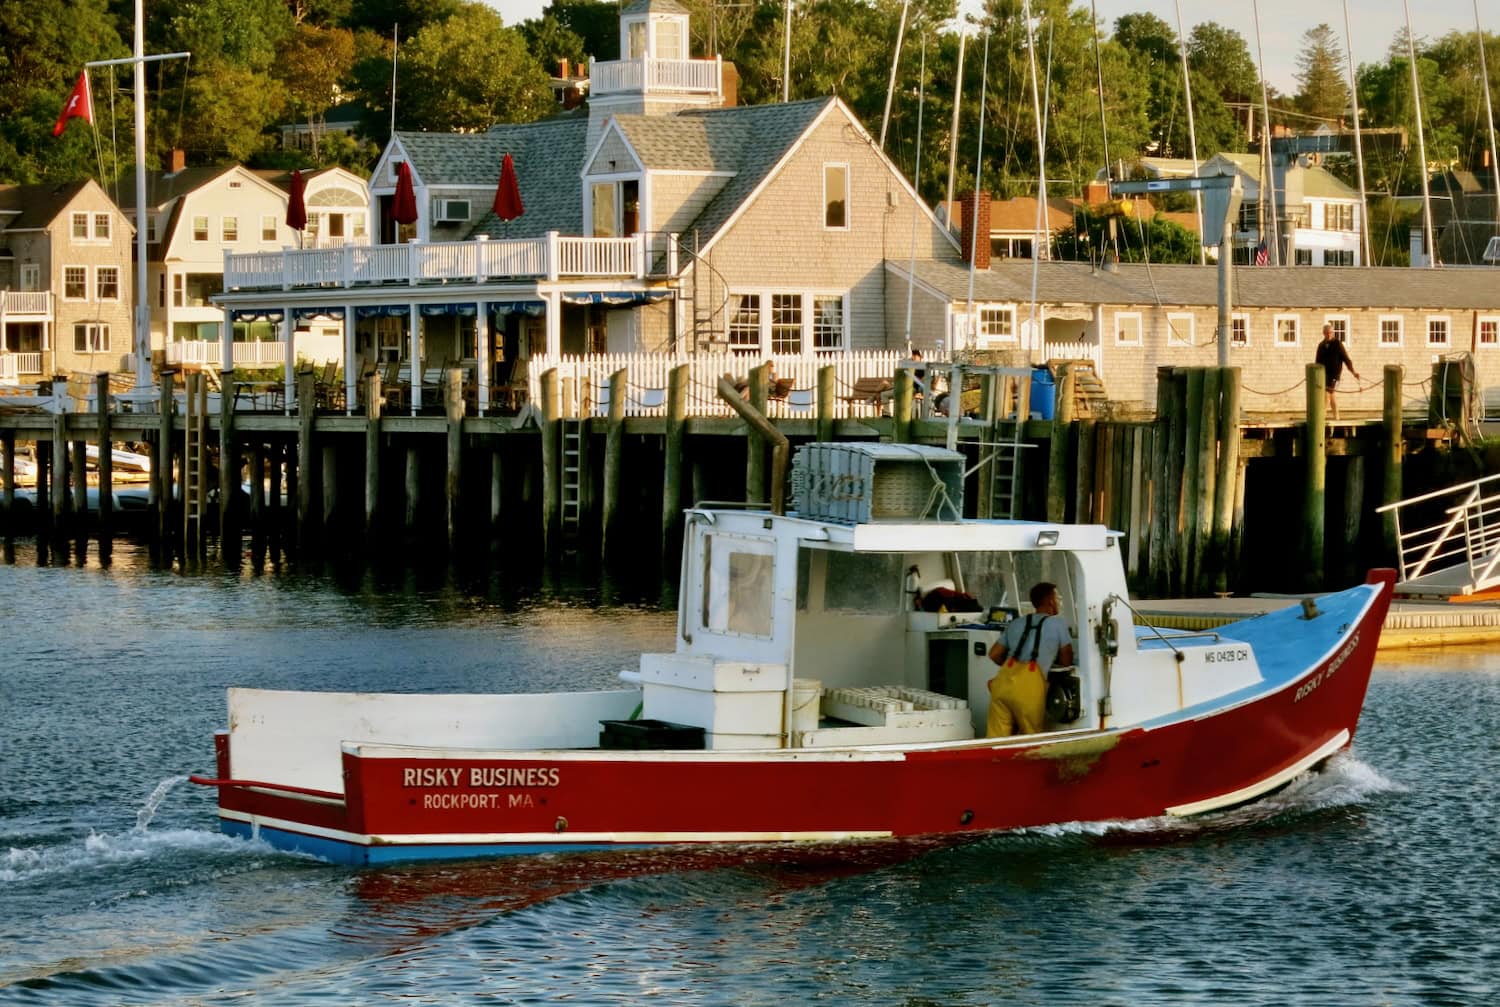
1324 287
37 205
548 156
163 187
655 7
1315 181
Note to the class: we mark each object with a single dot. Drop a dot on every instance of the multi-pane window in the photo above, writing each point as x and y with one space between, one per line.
828 324
1288 330
1340 326
1302 256
744 325
1239 330
786 323
1338 257
230 227
1179 329
101 226
1390 330
1128 328
75 283
200 228
1489 332
268 227
836 195
179 290
997 324
90 337
107 283
80 227
668 40
1437 330
1339 217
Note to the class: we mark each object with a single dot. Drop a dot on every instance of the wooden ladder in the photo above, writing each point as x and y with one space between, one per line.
1005 468
572 475
194 464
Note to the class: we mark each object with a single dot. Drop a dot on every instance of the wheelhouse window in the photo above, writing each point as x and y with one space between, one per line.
744 324
836 196
738 580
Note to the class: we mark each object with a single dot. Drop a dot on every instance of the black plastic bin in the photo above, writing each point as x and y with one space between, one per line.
652 734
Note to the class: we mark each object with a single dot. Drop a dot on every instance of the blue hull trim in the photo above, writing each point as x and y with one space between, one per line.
357 854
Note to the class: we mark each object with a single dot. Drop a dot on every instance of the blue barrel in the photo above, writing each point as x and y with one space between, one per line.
1043 393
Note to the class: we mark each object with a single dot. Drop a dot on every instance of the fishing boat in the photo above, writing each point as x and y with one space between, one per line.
813 695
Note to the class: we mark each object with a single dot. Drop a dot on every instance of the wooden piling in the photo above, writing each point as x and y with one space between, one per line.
43 485
1208 469
328 468
106 462
453 407
1140 463
671 490
1315 450
275 455
551 424
1354 509
827 397
1157 560
1191 476
79 466
1083 489
1390 487
162 466
306 476
612 535
8 478
60 473
413 489
229 468
374 400
1224 479
902 405
257 463
1062 424
755 444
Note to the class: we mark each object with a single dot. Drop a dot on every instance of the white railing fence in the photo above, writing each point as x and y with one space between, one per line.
700 76
211 354
28 363
8 370
585 379
25 302
1466 534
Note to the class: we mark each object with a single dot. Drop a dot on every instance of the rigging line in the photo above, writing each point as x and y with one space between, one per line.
911 269
1099 80
114 143
1416 97
1187 91
1041 162
1359 150
1489 110
1046 125
1267 185
187 66
958 88
984 79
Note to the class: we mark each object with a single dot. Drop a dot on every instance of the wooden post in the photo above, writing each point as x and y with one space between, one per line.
59 473
671 490
79 466
374 400
105 515
1176 470
257 489
42 511
1390 488
8 478
551 462
497 490
1140 461
755 444
453 404
1315 444
413 487
1203 508
827 397
902 405
275 455
1354 507
328 467
306 477
229 469
614 461
1161 436
1191 476
1224 481
1083 490
1062 423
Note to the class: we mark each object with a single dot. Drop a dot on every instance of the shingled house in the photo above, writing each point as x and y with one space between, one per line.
660 218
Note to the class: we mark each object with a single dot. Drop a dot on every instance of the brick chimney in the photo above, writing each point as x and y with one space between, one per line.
562 68
729 83
967 224
177 160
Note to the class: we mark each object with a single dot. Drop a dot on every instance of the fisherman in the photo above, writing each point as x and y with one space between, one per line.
1029 647
1332 355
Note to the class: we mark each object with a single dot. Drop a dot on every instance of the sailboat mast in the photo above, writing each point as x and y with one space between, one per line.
958 90
1268 180
1359 149
142 333
890 90
1187 97
911 268
1416 99
984 83
1489 112
1041 167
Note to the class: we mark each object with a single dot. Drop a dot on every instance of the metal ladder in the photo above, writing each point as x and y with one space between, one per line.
1005 469
194 464
572 475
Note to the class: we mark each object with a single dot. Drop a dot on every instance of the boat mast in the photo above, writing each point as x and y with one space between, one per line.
958 90
1268 180
1041 167
1416 98
916 206
1359 149
984 83
890 89
1489 113
1187 96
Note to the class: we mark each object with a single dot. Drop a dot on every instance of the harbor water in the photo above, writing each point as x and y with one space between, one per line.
1372 882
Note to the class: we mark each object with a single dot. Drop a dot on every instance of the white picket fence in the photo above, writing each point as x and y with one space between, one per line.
585 381
8 370
210 353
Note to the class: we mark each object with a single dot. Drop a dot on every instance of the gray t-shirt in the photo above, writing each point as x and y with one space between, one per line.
1045 640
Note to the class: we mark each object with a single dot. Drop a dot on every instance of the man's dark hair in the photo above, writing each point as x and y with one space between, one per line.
1041 592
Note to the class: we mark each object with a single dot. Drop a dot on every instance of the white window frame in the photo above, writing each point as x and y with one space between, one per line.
229 228
1133 317
844 167
30 275
179 290
86 279
657 24
1400 321
745 349
1175 326
1447 323
1296 321
715 614
273 228
808 301
80 217
1479 324
984 339
95 337
1332 320
193 224
1239 316
843 329
98 281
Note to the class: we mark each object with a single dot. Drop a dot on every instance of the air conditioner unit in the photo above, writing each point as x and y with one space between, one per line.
452 211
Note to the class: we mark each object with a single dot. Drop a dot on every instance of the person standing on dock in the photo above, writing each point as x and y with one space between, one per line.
1334 358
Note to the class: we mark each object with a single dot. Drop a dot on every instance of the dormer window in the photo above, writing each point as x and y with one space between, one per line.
636 31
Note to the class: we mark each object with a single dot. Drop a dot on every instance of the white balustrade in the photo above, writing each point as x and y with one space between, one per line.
209 353
28 363
8 370
25 302
698 76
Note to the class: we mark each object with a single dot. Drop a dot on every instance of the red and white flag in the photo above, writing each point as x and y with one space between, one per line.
80 105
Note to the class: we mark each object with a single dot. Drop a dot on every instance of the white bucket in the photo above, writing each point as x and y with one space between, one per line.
806 696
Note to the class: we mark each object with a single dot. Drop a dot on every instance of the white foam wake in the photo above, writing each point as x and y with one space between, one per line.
98 851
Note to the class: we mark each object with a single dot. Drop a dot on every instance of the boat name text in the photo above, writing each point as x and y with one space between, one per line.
1308 686
480 776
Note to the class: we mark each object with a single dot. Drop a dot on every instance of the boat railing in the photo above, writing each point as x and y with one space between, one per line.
1466 534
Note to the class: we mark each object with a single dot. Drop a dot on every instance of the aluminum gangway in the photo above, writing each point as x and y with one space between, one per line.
1448 541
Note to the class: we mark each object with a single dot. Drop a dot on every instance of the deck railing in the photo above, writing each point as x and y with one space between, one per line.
210 353
25 302
1468 533
685 76
416 263
28 363
586 378
8 370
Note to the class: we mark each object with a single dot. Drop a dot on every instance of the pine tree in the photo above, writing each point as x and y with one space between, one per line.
1325 92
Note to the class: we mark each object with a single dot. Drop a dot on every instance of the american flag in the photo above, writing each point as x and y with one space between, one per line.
1261 255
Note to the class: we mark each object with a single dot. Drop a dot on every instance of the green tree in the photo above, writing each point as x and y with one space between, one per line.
411 15
1324 92
549 41
468 73
1222 57
1156 240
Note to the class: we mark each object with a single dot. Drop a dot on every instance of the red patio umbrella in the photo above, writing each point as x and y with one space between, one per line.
404 206
296 207
508 204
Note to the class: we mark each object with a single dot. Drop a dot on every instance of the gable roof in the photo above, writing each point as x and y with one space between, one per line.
655 7
162 187
36 206
1254 286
